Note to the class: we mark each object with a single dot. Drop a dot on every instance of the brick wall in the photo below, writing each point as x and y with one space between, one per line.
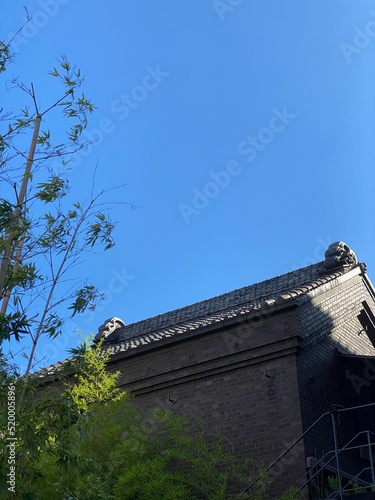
261 381
328 324
240 380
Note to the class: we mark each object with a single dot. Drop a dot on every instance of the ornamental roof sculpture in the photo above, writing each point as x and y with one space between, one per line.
109 329
339 254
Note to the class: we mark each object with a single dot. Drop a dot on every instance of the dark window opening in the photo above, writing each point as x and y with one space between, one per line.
367 319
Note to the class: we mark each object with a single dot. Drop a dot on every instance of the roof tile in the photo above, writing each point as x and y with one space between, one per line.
218 309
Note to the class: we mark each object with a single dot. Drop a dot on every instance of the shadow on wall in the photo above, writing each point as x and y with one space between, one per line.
337 373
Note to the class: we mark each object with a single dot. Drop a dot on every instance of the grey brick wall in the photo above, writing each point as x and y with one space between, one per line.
241 381
328 325
260 383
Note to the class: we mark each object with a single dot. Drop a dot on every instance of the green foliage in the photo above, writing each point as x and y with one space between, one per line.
85 438
185 457
350 488
95 384
100 230
5 56
54 188
15 324
43 234
10 223
85 298
292 494
52 325
357 488
6 214
333 482
22 277
43 138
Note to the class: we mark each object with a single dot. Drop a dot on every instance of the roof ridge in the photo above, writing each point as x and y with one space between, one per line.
229 293
192 318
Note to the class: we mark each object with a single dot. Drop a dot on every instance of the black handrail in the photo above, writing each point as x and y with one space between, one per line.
335 410
324 464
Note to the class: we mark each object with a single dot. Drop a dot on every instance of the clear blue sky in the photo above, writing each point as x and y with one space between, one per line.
244 131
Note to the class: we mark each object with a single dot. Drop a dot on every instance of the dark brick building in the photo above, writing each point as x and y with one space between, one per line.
263 363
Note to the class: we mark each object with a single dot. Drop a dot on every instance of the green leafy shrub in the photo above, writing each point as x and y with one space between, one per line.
85 438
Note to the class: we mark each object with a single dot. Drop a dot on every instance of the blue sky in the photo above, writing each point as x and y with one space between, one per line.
244 131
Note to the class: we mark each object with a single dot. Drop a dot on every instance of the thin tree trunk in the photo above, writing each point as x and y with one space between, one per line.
7 256
48 301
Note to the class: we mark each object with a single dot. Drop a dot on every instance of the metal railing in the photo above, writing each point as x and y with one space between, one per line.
336 453
321 464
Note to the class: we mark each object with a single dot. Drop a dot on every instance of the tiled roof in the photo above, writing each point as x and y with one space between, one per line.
236 304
